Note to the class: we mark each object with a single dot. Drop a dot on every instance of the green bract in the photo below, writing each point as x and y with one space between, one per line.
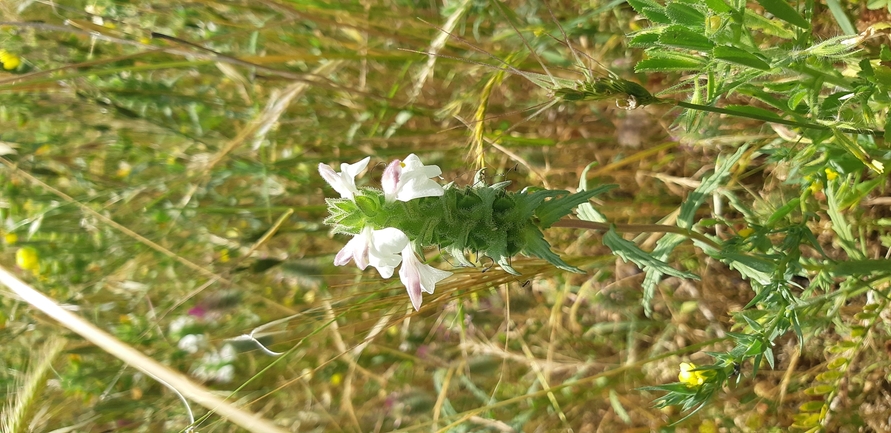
483 219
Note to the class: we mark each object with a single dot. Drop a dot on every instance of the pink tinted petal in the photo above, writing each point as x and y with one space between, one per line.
390 180
410 278
357 249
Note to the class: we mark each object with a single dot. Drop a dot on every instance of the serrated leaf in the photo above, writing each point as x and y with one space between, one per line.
667 65
718 6
681 37
782 10
630 252
644 40
740 57
684 14
656 15
639 5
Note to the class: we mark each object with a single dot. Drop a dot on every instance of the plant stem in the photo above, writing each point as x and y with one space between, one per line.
691 106
637 228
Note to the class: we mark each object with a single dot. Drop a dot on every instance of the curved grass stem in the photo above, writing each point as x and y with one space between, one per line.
637 228
807 125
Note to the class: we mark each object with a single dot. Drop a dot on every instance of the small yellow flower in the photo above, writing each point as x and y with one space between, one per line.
746 232
689 377
224 256
831 174
336 379
124 170
10 238
27 259
10 61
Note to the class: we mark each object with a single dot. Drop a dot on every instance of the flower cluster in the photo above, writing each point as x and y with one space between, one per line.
387 247
413 211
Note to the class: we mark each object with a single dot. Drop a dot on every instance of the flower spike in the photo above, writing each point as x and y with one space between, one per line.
345 181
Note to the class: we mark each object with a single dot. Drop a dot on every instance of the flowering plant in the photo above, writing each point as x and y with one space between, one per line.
412 211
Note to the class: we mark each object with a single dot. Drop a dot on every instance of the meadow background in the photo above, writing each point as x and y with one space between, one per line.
159 178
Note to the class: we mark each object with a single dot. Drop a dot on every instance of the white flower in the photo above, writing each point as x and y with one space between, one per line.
192 342
378 248
345 181
410 179
418 277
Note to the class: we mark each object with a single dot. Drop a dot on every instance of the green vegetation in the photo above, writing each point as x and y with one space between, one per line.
160 180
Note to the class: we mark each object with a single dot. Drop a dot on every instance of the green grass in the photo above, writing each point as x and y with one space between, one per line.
162 162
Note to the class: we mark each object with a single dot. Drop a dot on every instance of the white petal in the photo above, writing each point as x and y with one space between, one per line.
430 276
386 244
410 179
345 181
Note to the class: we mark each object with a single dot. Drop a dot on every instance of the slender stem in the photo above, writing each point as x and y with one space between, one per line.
772 119
637 228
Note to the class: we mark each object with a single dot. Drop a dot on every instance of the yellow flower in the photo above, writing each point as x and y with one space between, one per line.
831 174
10 61
27 259
11 238
336 379
746 232
689 377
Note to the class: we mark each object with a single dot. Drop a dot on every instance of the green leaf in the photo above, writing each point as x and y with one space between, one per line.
644 40
630 252
718 6
684 14
784 210
586 211
656 15
782 10
668 64
740 57
618 408
849 268
640 5
811 406
681 37
552 210
841 17
767 26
